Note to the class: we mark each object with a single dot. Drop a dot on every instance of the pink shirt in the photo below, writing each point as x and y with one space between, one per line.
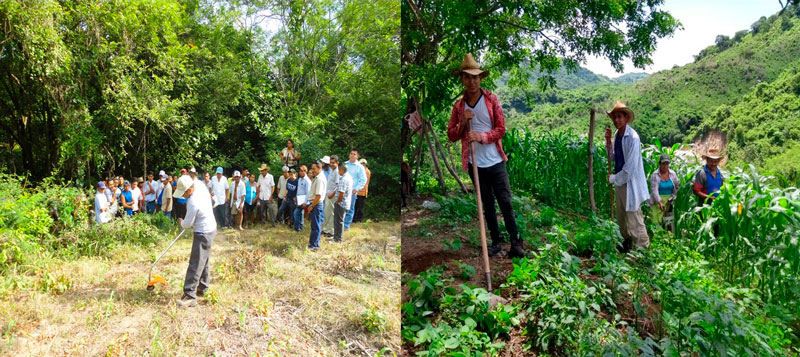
493 136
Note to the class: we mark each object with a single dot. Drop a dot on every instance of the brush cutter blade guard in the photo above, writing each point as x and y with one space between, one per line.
156 280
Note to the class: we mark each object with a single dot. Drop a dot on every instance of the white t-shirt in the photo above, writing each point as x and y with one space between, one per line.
265 184
486 154
137 196
218 187
289 156
346 186
238 196
199 212
154 186
100 202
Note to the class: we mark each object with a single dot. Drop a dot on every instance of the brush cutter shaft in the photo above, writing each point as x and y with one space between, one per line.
149 274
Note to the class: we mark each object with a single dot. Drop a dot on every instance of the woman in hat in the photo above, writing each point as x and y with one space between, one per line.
628 178
664 185
709 180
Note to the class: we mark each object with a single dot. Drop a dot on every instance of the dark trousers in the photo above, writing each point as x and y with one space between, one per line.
494 184
197 275
361 203
316 225
220 214
338 222
265 210
286 210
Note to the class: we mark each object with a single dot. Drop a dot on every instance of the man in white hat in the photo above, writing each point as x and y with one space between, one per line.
708 180
219 190
628 178
200 217
165 196
478 117
264 190
325 161
237 199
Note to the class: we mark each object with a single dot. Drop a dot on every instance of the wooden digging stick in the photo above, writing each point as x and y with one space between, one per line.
477 182
611 185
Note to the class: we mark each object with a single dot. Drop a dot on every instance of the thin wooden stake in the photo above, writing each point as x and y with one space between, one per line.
591 161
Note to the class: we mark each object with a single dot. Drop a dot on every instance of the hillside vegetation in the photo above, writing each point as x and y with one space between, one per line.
728 76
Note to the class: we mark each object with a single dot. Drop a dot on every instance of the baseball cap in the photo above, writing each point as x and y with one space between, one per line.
285 168
237 174
183 184
101 184
219 170
193 170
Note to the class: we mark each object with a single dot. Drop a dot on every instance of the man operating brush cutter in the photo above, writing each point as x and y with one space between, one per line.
200 216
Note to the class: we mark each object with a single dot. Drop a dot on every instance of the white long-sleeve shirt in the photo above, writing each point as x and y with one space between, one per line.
632 172
199 210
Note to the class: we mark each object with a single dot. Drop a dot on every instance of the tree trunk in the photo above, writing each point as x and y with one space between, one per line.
434 157
447 164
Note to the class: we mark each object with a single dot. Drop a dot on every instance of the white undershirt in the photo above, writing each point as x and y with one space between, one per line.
486 154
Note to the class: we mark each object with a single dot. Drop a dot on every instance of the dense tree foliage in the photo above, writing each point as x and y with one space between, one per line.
91 88
506 35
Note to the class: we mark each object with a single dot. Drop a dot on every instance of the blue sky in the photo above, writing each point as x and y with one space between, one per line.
702 22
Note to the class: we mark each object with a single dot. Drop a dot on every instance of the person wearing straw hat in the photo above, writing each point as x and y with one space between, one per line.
200 217
628 177
478 117
664 186
708 180
264 190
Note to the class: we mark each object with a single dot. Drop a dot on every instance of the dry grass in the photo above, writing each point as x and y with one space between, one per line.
271 297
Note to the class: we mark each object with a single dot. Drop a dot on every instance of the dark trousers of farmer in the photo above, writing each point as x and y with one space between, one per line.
338 222
265 211
197 275
150 206
286 210
494 184
299 213
361 203
220 212
316 225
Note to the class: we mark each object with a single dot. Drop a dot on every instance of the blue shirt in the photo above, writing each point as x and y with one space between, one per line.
291 188
128 198
713 184
358 174
665 187
250 193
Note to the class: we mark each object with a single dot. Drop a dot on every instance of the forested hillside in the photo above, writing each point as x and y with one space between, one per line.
757 64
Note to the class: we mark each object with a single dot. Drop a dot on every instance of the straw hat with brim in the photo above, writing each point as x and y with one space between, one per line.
469 65
712 154
183 184
620 106
263 167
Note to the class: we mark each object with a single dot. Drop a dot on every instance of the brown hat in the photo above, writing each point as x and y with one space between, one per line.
620 106
712 154
470 66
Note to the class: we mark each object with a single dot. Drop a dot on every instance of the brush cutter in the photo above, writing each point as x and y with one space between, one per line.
153 280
